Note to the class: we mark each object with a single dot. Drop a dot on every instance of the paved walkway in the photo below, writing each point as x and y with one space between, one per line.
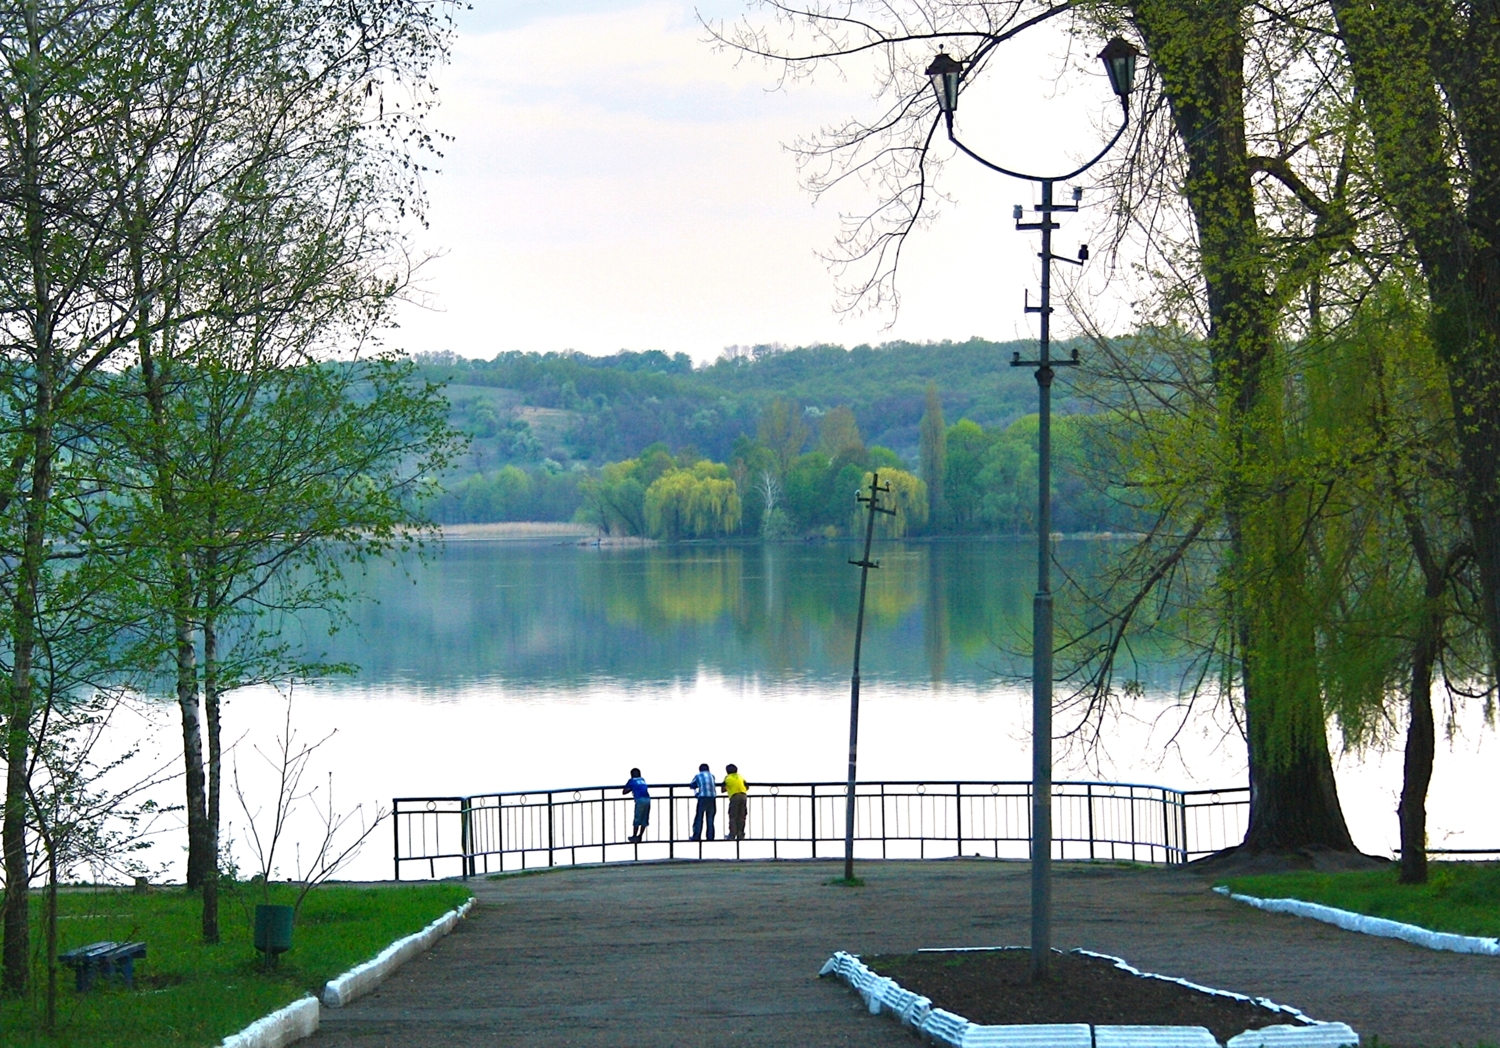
709 954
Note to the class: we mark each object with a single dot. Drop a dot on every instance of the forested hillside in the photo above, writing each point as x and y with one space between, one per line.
563 435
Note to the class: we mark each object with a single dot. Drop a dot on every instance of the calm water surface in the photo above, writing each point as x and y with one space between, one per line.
503 665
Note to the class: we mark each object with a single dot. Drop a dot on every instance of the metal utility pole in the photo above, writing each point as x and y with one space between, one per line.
947 75
864 564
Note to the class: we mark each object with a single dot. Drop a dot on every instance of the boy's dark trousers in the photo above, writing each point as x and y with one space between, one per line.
738 808
707 806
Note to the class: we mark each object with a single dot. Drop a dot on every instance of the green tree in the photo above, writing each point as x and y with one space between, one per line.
1008 476
256 483
1427 80
784 430
692 503
296 195
932 450
838 432
968 446
615 501
120 135
1393 548
908 495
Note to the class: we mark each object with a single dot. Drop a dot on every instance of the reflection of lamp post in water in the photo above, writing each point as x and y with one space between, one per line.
946 74
864 565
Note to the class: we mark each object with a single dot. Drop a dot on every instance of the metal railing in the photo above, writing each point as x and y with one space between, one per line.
1118 821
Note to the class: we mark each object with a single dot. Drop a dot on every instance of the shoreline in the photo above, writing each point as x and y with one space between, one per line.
587 534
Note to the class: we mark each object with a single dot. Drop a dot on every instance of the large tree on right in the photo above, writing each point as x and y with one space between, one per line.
1427 74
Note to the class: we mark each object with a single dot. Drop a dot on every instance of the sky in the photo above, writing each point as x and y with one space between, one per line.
614 182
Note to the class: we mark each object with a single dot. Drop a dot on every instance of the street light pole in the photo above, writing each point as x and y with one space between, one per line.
947 75
1041 605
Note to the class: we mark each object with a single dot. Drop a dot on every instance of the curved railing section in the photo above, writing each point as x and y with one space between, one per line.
1108 821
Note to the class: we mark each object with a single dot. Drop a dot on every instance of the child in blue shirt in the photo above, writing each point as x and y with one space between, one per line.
637 786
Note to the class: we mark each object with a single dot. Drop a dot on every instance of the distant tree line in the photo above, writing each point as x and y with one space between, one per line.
795 463
797 476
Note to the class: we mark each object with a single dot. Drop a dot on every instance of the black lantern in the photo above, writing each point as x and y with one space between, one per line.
945 74
1119 61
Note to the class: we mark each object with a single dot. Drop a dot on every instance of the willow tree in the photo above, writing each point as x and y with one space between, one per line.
1393 546
1428 77
1266 184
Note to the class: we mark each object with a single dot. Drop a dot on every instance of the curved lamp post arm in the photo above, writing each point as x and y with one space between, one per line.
1042 178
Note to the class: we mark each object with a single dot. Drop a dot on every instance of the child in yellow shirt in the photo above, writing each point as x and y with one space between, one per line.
739 804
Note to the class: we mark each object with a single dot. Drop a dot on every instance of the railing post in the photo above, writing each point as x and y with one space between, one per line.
1166 828
882 821
396 836
812 795
958 815
1091 821
671 823
549 829
1132 824
465 837
1182 813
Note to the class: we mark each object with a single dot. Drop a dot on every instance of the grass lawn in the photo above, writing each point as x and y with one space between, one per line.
1461 897
190 994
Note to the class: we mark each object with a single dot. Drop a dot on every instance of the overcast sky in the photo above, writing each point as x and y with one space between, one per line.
615 183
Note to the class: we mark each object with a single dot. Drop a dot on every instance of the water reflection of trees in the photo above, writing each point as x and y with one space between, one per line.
561 616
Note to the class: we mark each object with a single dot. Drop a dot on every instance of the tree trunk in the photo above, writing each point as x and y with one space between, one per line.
201 854
1198 50
1421 740
211 708
15 954
1421 736
192 753
18 715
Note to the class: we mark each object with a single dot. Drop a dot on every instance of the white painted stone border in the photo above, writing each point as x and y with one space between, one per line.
283 1026
363 978
1367 925
954 1031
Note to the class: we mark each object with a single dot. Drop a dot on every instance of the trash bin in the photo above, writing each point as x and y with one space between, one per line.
273 931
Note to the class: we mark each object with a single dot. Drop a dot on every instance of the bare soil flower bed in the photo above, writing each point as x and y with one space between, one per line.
994 987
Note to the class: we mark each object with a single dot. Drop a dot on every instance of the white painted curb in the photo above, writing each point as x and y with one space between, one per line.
292 1023
954 1031
363 978
1263 1002
1359 922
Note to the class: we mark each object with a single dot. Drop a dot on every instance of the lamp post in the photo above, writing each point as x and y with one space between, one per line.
946 74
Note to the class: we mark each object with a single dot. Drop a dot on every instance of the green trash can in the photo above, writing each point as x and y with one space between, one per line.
273 931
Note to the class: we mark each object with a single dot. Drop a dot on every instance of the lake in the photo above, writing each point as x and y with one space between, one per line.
493 666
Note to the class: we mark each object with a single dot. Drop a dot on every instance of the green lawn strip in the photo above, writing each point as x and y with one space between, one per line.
191 994
1459 897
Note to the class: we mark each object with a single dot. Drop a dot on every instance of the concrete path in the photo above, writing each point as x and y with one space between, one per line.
708 954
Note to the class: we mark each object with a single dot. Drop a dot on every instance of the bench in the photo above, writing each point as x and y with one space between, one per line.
103 959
